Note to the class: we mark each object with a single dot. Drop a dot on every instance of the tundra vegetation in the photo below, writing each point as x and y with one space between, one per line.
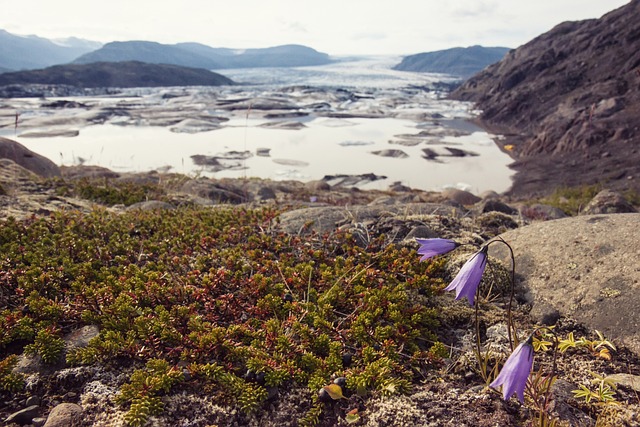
219 300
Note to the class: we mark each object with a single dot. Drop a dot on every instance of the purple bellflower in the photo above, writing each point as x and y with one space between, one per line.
432 247
516 370
466 282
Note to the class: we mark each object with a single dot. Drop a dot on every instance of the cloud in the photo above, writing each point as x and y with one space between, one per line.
372 35
475 9
296 27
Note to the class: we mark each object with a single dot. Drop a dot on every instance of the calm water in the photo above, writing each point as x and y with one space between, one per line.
324 146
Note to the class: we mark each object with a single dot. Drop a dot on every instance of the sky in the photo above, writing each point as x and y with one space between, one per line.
336 27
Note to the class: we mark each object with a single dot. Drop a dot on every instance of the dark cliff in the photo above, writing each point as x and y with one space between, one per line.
570 100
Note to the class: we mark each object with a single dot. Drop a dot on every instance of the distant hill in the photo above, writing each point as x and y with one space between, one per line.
117 74
202 56
151 52
569 101
31 52
458 61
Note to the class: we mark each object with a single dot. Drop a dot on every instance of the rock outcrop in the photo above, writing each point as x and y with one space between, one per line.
569 103
26 158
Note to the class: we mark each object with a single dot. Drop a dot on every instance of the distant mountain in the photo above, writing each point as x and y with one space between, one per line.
31 52
290 55
117 74
150 52
202 56
458 61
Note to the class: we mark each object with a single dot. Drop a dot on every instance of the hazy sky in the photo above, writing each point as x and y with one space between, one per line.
336 27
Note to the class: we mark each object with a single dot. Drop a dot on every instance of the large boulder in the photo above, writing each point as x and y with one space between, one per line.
26 158
583 267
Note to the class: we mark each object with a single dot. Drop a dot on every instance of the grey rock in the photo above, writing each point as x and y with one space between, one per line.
456 152
398 154
64 133
607 202
23 416
626 380
343 180
80 337
492 205
317 186
32 400
584 267
496 222
26 158
263 152
399 187
465 198
293 125
266 193
215 191
64 415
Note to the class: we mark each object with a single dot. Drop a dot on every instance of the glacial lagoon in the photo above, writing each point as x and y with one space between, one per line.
354 117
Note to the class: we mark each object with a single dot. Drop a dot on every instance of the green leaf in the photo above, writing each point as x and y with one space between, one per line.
335 391
352 416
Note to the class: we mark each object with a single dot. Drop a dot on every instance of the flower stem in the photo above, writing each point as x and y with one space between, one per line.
511 328
483 366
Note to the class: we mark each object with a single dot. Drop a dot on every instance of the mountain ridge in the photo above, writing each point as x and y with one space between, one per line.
32 52
203 56
19 52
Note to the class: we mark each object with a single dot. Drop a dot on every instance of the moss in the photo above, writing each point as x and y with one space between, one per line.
572 199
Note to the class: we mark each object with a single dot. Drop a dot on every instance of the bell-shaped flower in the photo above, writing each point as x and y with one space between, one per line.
468 278
516 370
432 247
